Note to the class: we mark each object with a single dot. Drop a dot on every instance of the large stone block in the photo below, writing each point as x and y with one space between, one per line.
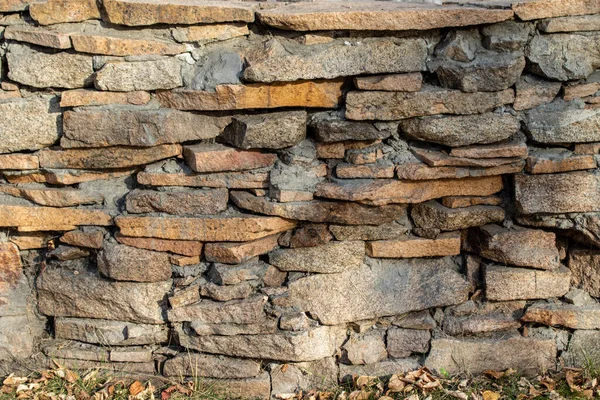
210 366
433 215
565 315
583 349
109 333
329 258
447 244
585 269
34 219
538 9
140 75
125 263
505 283
179 202
58 11
218 158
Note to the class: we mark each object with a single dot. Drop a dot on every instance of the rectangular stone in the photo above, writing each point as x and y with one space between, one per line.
206 229
14 5
447 244
184 247
109 333
247 311
420 171
180 202
325 94
219 158
585 269
85 97
552 161
211 366
538 9
468 201
230 180
38 36
121 76
19 161
50 218
210 33
366 171
570 24
505 283
117 45
564 315
33 240
506 149
92 240
237 253
440 158
54 197
59 11
391 83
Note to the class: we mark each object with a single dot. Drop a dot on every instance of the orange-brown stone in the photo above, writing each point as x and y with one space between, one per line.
52 197
219 158
468 201
83 97
33 219
92 240
231 180
446 244
18 161
39 36
237 253
188 248
538 9
391 83
58 11
123 46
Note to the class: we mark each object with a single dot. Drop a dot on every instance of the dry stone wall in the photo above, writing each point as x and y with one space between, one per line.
280 196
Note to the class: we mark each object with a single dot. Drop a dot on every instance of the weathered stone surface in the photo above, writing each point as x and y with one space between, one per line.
108 333
284 62
565 315
227 292
14 288
68 253
231 180
84 97
18 162
586 148
125 263
210 33
440 158
28 124
109 158
180 202
585 270
574 91
58 11
325 296
206 365
518 246
184 12
549 161
579 297
92 240
381 369
583 349
563 122
506 36
223 274
366 171
268 131
113 44
39 36
456 131
14 5
49 218
219 158
504 283
533 92
140 75
315 344
507 148
62 293
472 318
315 375
377 16
467 201
584 227
66 176
570 24
390 230
310 235
447 244
238 253
45 70
433 215
338 130
473 356
390 106
384 191
131 126
538 9
248 311
404 342
421 171
557 193
329 258
239 97
346 213
207 229
53 197
33 240
366 348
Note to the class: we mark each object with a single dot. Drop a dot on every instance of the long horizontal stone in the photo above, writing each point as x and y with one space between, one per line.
391 106
231 180
62 293
552 161
447 244
346 213
211 366
176 12
50 218
247 311
326 259
570 24
65 176
218 158
119 76
109 333
106 158
180 202
421 171
188 248
382 289
208 229
557 193
439 158
18 162
384 191
85 97
565 315
326 94
505 283
373 16
55 12
538 9
53 197
118 45
39 36
238 253
433 215
210 33
563 122
14 5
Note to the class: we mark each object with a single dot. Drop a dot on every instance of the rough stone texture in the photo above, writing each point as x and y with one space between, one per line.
533 92
238 253
404 342
42 70
505 149
385 231
206 365
84 97
504 283
585 270
411 82
583 349
456 131
109 333
422 171
472 318
35 219
381 369
439 158
117 45
549 161
53 197
125 263
219 158
565 315
210 33
140 75
181 202
39 36
538 9
288 378
325 296
58 11
338 130
329 258
447 244
570 24
365 348
231 180
433 215
389 106
92 240
18 162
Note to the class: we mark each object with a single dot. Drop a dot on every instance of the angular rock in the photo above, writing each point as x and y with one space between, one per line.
325 94
533 92
575 91
140 75
46 70
367 348
367 171
109 333
64 294
583 349
538 9
284 62
504 283
315 375
238 253
579 297
227 292
35 219
471 318
389 230
439 158
230 180
391 83
29 241
206 365
338 130
381 369
53 197
219 158
18 162
570 24
129 126
106 158
92 240
447 244
404 342
390 106
210 33
508 148
456 131
268 131
14 5
583 227
557 193
585 270
124 263
68 253
565 315
247 311
58 11
39 36
466 201
223 274
180 202
113 44
325 296
330 258
433 215
421 171
311 235
506 36
586 148
84 97
550 161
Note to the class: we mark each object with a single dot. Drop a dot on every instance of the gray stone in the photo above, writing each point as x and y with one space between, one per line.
46 70
268 131
579 297
18 336
506 36
289 61
217 67
177 202
329 258
459 45
533 91
260 328
109 333
504 283
457 131
560 336
391 230
472 318
125 263
404 342
224 274
210 366
29 124
62 293
253 388
414 320
473 356
74 350
295 322
248 311
585 269
381 369
339 130
227 292
314 375
140 75
583 350
433 215
584 227
364 348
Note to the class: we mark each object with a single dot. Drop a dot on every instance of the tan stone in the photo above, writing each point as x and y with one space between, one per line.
58 11
447 244
176 12
384 191
468 201
32 219
505 283
376 16
421 171
149 74
565 315
533 91
67 177
179 202
29 241
390 230
210 33
549 162
124 263
512 148
53 197
209 229
92 240
391 83
331 150
570 24
109 157
83 97
391 106
289 196
219 158
326 94
188 248
238 253
182 261
433 215
538 9
332 257
586 148
11 270
14 5
39 36
585 268
440 158
368 171
572 92
18 161
123 46
231 180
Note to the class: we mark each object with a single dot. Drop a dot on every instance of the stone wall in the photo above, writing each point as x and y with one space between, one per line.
280 196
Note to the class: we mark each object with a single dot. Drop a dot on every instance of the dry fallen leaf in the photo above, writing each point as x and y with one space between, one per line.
136 388
457 394
489 395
